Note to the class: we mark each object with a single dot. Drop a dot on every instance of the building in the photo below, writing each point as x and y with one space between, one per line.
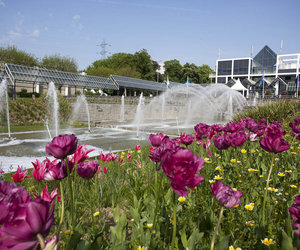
265 71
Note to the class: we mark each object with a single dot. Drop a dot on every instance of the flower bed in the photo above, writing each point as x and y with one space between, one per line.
223 187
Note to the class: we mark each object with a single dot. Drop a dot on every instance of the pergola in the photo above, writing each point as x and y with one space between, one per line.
23 76
137 84
18 74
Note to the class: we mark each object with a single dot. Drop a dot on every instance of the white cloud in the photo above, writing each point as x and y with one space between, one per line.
14 34
76 17
35 33
2 3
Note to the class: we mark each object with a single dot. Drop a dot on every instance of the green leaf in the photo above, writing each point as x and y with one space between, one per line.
287 242
74 241
223 243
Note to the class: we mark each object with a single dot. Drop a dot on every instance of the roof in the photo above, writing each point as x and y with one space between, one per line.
128 82
38 75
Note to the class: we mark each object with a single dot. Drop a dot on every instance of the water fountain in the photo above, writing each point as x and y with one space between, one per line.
174 111
122 118
215 103
4 98
53 105
82 102
139 116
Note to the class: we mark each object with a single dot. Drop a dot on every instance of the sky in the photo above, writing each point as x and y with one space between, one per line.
187 30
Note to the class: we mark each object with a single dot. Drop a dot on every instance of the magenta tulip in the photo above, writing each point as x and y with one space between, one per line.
232 127
274 144
222 141
297 120
155 154
30 219
61 146
295 129
157 139
274 129
11 196
237 139
186 139
295 213
202 130
22 219
217 128
182 169
225 195
87 169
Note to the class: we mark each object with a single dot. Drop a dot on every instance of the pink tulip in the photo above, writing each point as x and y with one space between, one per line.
81 154
102 156
20 175
105 169
137 147
50 171
49 197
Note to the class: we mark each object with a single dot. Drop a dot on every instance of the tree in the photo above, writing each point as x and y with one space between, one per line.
12 55
144 65
174 70
61 63
205 70
138 65
192 71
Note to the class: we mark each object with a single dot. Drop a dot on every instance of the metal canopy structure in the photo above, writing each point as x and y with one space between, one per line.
134 83
19 73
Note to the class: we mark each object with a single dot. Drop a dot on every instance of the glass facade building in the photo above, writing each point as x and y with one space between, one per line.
265 61
277 71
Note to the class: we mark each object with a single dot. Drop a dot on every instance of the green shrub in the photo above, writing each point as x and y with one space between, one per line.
274 111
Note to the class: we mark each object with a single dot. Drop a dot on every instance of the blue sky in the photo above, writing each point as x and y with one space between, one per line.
187 30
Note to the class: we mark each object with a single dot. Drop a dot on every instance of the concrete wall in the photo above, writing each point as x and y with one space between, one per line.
105 112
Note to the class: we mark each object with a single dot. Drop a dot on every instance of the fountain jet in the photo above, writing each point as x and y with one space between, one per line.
4 98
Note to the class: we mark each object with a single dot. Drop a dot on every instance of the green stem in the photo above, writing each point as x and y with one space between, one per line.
156 199
266 192
71 194
174 221
62 209
216 229
62 203
41 240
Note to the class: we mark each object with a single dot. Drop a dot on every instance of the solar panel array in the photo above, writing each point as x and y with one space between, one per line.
39 75
128 82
